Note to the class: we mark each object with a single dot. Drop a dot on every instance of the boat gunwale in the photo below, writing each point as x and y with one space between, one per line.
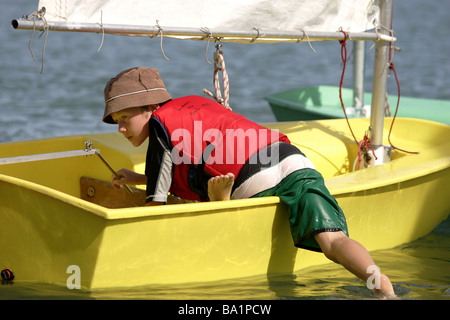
349 183
337 185
142 211
398 170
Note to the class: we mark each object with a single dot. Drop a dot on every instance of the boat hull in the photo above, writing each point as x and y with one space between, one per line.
47 226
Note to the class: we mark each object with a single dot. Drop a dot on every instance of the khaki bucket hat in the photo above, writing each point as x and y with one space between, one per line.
135 87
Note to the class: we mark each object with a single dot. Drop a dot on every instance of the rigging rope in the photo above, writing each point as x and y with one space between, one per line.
344 61
219 65
40 15
392 68
364 145
161 35
102 30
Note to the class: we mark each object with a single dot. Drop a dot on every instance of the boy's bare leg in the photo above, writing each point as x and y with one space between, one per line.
354 257
219 187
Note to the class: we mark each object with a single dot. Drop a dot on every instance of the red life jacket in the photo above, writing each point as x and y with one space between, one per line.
193 123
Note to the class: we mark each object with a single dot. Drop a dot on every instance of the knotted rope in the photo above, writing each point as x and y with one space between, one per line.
363 151
219 65
40 15
160 33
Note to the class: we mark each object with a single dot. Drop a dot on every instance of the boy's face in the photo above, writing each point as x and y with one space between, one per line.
133 124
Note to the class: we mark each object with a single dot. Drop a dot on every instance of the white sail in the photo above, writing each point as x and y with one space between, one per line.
232 20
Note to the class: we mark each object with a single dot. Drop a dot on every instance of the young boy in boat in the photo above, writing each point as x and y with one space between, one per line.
199 150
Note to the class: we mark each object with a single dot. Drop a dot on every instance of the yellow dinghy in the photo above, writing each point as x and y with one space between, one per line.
50 223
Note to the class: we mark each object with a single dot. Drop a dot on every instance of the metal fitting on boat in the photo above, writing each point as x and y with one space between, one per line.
7 274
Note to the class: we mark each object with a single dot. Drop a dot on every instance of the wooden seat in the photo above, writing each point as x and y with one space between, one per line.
103 193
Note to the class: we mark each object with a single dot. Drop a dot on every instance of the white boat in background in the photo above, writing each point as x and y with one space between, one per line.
57 211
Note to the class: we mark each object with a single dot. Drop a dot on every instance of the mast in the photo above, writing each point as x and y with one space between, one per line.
380 73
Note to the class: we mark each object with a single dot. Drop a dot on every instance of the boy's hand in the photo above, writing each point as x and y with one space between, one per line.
127 177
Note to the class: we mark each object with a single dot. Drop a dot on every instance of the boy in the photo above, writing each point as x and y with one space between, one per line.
199 150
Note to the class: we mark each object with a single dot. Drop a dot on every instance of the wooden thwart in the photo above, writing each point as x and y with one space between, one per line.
103 193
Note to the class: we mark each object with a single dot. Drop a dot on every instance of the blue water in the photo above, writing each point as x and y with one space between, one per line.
68 99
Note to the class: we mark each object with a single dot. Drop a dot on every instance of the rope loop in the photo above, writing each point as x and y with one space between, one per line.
307 37
343 42
258 35
209 35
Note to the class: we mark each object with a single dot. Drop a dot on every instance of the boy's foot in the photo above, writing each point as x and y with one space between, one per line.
219 187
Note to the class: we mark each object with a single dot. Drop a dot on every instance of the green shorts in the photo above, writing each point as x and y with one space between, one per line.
312 209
